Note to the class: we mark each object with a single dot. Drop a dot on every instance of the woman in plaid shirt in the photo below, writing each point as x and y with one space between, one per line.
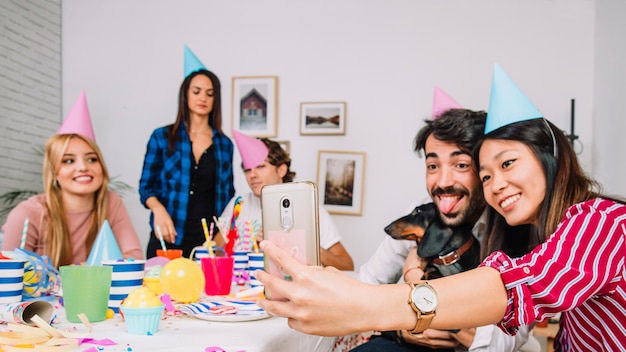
187 173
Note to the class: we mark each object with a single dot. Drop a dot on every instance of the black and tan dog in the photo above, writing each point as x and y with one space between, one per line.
447 250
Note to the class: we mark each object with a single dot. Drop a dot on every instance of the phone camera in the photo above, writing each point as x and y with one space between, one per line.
286 203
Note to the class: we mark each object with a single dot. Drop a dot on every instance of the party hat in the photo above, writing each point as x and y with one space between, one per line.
192 63
442 102
253 152
105 246
78 120
507 103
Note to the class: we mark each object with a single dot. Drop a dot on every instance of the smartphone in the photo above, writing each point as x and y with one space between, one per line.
290 220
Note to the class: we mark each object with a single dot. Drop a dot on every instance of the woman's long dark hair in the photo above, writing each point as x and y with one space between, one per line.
566 185
182 118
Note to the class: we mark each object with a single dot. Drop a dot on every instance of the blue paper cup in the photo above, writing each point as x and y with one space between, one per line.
199 253
126 277
11 280
255 262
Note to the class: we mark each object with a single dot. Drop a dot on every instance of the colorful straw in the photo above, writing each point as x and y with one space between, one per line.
161 238
24 233
206 235
220 228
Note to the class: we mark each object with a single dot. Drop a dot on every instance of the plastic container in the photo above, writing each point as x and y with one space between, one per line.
142 321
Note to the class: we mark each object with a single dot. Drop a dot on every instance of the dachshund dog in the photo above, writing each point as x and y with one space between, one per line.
446 250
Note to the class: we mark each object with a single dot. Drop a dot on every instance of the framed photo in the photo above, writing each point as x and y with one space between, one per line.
255 105
323 118
285 145
340 177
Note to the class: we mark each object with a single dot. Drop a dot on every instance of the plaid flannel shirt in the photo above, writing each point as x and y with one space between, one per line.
166 174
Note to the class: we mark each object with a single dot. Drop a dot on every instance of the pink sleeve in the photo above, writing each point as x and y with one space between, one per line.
33 209
123 228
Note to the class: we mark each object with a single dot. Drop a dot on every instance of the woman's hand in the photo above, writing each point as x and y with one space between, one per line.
327 302
163 220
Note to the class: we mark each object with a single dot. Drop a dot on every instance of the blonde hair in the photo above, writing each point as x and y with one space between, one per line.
58 244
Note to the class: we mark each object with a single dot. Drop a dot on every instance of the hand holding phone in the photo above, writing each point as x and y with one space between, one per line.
290 220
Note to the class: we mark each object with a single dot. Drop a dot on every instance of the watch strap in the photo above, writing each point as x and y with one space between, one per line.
423 319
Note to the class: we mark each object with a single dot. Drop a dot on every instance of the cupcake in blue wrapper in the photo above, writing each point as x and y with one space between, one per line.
142 311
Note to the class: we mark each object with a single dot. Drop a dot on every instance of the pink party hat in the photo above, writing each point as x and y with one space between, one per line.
442 102
253 152
507 103
105 246
78 120
192 63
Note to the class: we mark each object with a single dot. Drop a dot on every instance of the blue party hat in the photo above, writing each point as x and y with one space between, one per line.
104 247
507 103
192 63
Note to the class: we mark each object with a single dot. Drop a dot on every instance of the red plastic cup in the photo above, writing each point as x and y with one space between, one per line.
170 253
218 275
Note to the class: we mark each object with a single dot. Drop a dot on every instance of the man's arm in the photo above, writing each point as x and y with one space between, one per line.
336 256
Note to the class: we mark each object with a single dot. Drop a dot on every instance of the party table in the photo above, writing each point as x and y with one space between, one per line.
190 334
187 333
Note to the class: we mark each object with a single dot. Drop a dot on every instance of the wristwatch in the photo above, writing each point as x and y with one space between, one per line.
423 300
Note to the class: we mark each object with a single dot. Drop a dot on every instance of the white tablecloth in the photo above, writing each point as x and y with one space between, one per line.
186 333
191 334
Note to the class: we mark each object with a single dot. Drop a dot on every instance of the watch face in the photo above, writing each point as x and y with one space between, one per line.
425 298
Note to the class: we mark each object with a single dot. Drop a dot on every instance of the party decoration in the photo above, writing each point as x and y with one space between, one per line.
105 246
78 120
183 280
253 152
442 102
192 63
22 312
41 278
507 103
233 234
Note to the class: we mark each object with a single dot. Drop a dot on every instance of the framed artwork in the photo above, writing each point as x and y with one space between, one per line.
323 118
340 177
285 145
255 105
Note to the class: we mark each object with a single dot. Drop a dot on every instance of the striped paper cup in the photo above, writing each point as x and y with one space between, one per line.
126 277
11 280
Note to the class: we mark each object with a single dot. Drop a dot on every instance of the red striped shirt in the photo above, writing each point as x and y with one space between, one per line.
579 271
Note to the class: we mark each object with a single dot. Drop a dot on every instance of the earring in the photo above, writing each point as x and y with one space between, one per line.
56 184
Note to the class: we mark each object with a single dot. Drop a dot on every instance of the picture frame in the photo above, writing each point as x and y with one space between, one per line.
255 105
323 118
285 145
340 181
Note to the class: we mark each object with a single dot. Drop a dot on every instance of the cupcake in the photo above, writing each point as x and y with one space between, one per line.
142 311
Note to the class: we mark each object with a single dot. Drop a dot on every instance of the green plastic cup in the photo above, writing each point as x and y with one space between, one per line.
86 290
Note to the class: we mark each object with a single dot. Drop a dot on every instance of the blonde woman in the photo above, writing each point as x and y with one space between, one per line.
65 220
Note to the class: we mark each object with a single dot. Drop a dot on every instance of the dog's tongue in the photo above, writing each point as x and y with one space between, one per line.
446 204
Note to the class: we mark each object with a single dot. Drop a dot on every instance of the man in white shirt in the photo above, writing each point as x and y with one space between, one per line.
266 163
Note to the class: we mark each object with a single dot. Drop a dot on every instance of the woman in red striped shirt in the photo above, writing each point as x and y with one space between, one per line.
576 266
540 200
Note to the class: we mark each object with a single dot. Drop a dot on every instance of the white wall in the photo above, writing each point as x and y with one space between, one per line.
381 57
609 108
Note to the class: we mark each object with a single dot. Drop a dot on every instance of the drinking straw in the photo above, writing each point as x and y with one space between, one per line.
24 233
161 238
254 245
206 235
220 228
